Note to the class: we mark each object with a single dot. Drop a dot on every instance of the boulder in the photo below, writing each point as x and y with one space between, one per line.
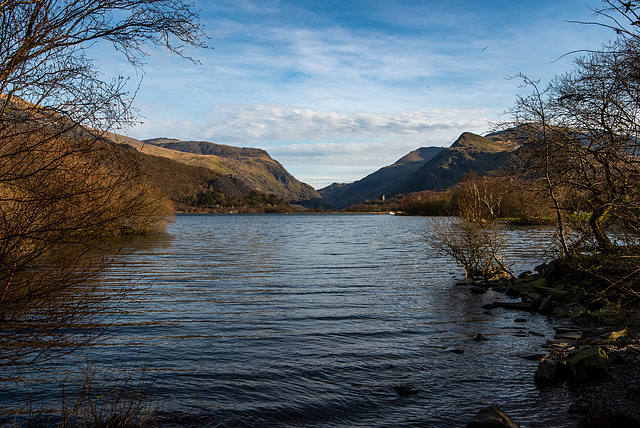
492 417
588 363
546 305
549 269
549 372
405 391
526 275
539 283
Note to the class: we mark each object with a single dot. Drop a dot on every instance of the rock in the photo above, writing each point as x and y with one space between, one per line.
539 283
525 275
559 343
549 372
634 348
454 350
479 338
405 391
534 357
532 297
622 337
587 363
492 417
520 306
512 291
567 334
520 320
548 270
578 311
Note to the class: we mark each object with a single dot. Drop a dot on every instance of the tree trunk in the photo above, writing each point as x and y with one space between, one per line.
595 221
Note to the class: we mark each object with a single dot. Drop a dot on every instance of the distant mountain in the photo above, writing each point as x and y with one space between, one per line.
470 152
254 168
379 183
430 168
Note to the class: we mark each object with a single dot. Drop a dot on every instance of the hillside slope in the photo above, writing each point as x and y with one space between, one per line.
253 167
470 152
427 168
379 183
176 179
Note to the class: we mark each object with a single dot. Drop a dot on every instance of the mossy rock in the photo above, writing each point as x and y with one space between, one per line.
540 282
620 338
578 311
588 363
608 316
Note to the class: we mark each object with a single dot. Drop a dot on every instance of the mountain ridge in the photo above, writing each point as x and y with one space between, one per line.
251 166
427 168
378 183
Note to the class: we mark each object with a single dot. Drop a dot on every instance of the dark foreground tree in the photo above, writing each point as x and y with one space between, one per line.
581 136
63 183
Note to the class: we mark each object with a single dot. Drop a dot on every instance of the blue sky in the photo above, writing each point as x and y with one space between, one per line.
335 90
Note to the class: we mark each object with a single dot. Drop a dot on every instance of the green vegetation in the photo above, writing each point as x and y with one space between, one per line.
252 202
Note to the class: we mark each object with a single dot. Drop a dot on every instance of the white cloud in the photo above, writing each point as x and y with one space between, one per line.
261 123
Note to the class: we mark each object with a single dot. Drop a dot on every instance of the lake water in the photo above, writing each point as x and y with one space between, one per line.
315 320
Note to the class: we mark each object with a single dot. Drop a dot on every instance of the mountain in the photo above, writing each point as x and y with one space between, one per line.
379 183
251 166
428 168
178 180
470 152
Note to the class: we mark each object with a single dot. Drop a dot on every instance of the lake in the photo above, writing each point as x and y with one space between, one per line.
318 320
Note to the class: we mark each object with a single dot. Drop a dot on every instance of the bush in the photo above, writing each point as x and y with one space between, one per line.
478 247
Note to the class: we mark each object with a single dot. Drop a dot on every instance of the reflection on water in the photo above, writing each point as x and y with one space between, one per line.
312 320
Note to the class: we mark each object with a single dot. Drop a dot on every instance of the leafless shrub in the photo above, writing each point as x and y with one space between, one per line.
119 397
478 247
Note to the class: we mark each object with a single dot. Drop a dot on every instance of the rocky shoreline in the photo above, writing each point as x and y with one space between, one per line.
595 353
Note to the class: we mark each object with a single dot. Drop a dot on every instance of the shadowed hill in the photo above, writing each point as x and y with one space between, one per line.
379 183
470 152
430 168
176 179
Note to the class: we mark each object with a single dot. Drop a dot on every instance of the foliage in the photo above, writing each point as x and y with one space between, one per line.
428 202
118 397
217 201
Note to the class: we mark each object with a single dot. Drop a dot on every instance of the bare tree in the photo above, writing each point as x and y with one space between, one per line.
581 135
479 247
63 183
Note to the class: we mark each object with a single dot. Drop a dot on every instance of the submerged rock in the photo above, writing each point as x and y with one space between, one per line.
492 417
405 391
550 372
479 338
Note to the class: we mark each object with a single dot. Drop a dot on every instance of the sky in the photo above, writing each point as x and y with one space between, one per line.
335 90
